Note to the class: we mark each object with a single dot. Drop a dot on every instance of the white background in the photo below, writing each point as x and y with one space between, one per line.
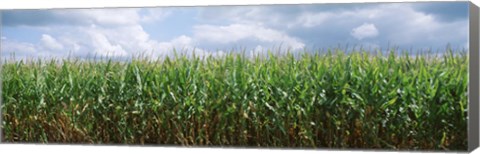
85 149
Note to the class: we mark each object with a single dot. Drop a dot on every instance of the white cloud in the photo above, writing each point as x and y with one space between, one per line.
104 47
366 30
421 29
118 41
314 19
155 14
20 49
236 32
50 43
70 43
184 45
4 38
182 40
178 43
241 15
105 17
400 24
129 37
124 40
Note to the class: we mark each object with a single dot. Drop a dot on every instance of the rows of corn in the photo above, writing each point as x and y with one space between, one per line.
335 100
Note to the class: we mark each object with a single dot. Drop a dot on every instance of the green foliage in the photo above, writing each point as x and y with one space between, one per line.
336 100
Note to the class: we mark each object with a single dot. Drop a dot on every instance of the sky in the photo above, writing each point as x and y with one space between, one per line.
216 30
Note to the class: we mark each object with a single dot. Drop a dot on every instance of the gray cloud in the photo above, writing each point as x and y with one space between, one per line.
80 17
35 18
445 11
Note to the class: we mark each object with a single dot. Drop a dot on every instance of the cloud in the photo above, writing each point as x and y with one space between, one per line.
104 47
269 16
410 29
314 19
82 17
179 43
32 18
403 24
444 12
105 17
20 49
422 30
50 43
113 32
155 14
121 32
237 32
364 31
185 45
3 38
47 46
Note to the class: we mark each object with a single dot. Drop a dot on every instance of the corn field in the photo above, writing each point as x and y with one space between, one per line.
329 100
